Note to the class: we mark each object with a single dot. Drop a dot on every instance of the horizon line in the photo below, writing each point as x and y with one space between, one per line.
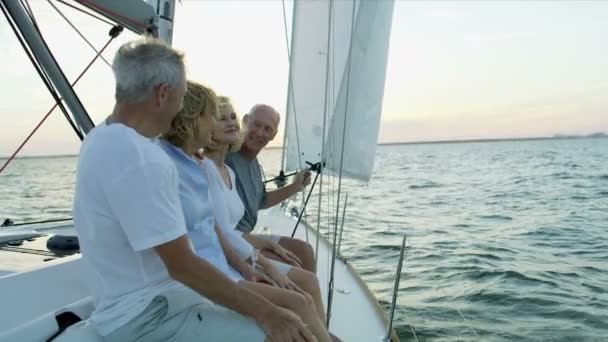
396 143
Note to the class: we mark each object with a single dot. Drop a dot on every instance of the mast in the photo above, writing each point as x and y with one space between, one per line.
36 43
138 16
165 13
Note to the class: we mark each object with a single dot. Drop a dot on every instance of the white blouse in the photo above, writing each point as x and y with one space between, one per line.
227 206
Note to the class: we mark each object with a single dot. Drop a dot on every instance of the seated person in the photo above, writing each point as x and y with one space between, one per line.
190 131
227 205
147 283
261 126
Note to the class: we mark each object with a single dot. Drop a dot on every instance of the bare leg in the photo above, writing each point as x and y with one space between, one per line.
308 282
303 250
303 306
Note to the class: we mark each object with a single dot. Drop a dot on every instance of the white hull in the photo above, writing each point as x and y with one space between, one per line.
34 292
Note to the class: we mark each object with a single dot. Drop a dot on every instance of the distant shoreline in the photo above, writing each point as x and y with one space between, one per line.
594 136
430 142
603 136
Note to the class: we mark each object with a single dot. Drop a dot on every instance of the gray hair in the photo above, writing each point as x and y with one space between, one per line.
142 65
265 108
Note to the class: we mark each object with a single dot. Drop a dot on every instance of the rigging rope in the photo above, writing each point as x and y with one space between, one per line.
12 224
290 90
105 10
38 69
465 321
36 63
57 103
30 13
318 168
77 31
325 114
331 282
412 329
86 12
62 75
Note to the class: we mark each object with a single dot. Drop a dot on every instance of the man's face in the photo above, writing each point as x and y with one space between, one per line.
170 101
262 126
176 98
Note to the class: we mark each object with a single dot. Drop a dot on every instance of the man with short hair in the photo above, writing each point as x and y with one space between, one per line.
147 283
262 124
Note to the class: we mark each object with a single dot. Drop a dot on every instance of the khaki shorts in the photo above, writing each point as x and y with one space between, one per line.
186 316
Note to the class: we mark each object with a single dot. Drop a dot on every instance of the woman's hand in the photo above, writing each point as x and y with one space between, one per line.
256 276
287 256
281 280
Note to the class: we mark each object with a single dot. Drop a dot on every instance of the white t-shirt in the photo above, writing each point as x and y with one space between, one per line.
126 203
227 206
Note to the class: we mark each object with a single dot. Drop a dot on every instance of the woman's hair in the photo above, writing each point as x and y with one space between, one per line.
226 107
198 102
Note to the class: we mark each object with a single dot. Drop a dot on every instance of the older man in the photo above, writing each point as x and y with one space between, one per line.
262 124
147 283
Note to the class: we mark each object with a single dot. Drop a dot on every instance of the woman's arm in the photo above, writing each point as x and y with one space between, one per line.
280 279
271 246
239 264
232 257
257 242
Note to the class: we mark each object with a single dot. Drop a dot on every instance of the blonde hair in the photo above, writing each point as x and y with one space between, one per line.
225 106
199 101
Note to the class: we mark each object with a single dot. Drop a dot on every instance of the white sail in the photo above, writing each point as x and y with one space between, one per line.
337 73
306 92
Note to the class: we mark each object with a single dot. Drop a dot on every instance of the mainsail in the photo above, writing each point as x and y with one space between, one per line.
338 63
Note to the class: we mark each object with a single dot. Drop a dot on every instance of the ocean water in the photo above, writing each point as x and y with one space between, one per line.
507 241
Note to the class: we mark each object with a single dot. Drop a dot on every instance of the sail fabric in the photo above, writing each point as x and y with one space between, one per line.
338 62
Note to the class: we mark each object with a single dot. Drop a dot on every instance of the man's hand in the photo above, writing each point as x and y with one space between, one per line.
274 197
282 325
301 180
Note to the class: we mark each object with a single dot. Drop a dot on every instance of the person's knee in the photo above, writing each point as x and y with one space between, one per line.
307 249
310 302
302 248
308 281
300 302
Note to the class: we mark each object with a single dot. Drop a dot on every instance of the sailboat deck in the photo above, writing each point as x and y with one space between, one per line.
55 284
356 315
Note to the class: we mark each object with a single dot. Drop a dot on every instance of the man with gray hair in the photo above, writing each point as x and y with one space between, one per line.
147 283
262 125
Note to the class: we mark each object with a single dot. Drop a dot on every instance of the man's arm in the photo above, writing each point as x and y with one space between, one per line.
187 268
277 196
274 197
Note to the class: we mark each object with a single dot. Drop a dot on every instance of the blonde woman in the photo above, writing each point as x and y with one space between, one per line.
228 207
190 131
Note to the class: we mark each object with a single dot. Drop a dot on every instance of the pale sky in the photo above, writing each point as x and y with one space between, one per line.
456 69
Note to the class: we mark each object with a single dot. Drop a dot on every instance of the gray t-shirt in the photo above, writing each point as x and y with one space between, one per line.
250 187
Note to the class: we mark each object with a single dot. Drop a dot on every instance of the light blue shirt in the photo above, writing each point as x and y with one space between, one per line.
198 212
